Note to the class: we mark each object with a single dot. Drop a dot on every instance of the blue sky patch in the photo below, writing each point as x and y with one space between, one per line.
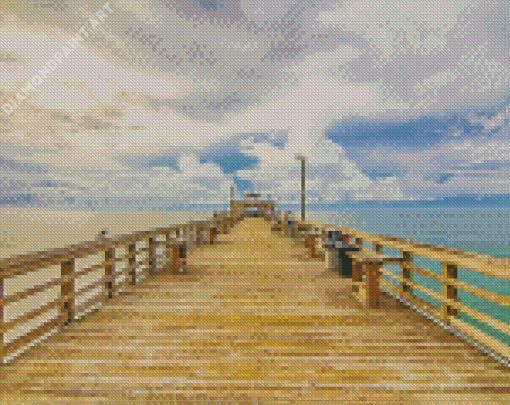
231 162
148 162
276 141
19 199
209 5
486 165
19 166
379 174
242 185
421 133
48 184
163 161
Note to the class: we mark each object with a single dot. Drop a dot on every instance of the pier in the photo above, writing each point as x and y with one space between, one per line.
249 307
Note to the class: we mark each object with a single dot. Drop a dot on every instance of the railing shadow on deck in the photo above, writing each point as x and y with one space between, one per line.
70 295
443 284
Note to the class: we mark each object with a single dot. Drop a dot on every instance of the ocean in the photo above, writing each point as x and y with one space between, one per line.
25 230
485 231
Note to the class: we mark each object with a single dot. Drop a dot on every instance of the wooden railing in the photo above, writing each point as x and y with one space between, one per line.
176 240
375 276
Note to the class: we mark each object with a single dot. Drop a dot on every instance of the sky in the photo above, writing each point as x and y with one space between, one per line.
169 103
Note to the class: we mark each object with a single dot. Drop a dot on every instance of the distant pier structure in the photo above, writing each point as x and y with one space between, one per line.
252 206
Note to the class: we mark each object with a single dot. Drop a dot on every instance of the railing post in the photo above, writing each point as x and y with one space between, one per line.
366 279
199 237
67 291
449 290
357 271
109 269
170 256
189 236
152 255
311 244
2 309
180 253
194 236
406 274
203 234
373 291
132 263
212 231
332 256
174 253
346 239
181 234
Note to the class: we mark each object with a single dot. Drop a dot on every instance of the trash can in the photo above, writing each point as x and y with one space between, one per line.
345 261
337 258
332 257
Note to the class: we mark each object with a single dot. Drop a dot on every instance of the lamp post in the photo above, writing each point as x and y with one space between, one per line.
303 162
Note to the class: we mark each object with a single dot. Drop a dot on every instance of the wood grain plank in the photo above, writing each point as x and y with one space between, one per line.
253 316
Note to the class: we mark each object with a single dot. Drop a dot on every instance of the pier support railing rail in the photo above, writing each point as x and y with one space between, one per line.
74 298
371 274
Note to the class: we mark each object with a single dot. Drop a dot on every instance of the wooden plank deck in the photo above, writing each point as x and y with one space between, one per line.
253 320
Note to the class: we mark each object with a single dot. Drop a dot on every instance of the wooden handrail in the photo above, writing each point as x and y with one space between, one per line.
25 263
178 238
497 267
314 235
490 266
451 260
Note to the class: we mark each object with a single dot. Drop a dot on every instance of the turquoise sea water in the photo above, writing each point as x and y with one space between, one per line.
485 231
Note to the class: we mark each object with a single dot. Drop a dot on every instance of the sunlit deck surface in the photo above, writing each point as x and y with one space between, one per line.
252 319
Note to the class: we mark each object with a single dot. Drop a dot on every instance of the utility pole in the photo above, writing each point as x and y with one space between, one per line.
303 184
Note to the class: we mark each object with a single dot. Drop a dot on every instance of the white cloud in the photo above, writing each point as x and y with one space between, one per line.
162 83
421 171
267 10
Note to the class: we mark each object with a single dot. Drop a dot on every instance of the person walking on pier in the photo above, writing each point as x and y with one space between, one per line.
102 235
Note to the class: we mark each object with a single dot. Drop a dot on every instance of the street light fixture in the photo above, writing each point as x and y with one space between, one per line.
303 163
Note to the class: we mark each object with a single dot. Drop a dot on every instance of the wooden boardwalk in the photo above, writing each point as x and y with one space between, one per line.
252 320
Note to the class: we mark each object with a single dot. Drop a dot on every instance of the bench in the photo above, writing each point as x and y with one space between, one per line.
366 271
311 244
176 256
